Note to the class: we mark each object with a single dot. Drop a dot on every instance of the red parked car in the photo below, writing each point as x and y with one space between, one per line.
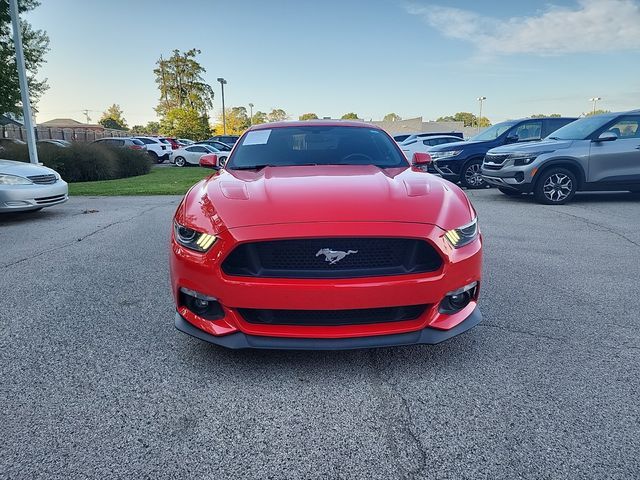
321 235
173 141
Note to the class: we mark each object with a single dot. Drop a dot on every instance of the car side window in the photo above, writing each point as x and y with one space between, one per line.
200 150
627 127
528 131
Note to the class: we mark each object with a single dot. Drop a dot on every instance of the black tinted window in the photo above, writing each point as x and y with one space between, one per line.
135 141
321 145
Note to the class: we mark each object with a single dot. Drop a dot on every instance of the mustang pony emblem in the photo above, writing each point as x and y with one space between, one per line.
334 256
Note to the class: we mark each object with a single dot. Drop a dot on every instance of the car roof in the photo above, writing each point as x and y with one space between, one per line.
314 123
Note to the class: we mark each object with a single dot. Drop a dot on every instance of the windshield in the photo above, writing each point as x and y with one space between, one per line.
580 129
492 132
316 145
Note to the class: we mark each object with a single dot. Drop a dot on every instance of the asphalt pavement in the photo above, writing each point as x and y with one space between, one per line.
96 383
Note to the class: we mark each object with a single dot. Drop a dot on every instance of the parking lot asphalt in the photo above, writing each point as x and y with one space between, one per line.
96 383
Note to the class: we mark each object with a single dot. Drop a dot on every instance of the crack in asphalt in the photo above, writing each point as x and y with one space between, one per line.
405 419
595 224
79 239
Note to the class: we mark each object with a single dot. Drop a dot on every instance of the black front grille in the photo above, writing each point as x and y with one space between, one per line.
489 166
332 258
45 200
332 317
43 179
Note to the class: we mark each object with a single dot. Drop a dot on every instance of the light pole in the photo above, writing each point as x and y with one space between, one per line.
480 99
24 85
595 101
251 114
223 82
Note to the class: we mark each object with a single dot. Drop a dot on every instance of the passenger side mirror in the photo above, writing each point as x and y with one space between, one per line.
420 158
607 137
209 161
512 138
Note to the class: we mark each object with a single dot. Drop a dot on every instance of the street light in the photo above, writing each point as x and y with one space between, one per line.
223 82
24 86
480 99
251 114
595 101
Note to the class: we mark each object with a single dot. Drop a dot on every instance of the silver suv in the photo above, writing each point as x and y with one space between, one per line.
600 152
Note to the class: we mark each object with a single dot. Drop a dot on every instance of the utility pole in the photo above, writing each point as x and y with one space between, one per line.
480 99
251 114
85 112
595 101
24 85
223 82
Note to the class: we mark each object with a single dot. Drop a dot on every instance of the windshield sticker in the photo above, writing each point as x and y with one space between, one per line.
259 137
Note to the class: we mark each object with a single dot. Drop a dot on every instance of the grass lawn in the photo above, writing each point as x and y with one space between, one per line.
160 181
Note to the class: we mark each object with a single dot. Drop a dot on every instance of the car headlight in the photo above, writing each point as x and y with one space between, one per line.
441 155
14 180
192 239
525 158
459 237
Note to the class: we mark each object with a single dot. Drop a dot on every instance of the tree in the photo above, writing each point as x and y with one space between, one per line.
185 123
544 115
596 112
308 116
151 128
277 115
258 118
237 121
392 117
350 116
468 118
181 83
113 117
36 45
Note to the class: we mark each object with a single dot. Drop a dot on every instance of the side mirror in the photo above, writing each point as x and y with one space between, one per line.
512 138
421 158
607 137
209 161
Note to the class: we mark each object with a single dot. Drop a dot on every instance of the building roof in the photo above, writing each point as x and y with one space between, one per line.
68 123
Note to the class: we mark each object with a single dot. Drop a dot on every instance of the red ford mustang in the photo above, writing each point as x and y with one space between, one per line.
320 235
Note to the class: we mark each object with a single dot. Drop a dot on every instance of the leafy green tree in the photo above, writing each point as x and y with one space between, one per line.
468 118
350 116
180 79
544 115
113 117
392 117
308 116
36 45
258 118
185 123
597 112
237 121
277 115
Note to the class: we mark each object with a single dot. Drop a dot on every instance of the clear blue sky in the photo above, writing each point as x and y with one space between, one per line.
415 58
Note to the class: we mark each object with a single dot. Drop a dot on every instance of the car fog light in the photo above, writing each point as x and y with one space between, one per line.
202 305
458 299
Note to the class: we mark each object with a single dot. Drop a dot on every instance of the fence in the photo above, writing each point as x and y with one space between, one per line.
56 133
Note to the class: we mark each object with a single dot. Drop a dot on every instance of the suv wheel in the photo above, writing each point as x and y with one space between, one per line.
471 175
510 193
556 187
154 157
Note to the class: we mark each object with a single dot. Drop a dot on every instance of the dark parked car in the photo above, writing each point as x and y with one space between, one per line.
228 139
462 161
217 145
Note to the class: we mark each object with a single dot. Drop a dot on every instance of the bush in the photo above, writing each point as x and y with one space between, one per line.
86 162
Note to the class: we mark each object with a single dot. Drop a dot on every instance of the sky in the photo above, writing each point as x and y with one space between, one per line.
373 57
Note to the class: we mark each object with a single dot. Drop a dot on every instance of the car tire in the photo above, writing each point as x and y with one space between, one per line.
222 161
555 186
180 162
510 193
471 176
154 157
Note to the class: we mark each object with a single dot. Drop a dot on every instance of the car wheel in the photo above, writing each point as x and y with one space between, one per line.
154 157
555 187
180 162
510 193
471 176
222 162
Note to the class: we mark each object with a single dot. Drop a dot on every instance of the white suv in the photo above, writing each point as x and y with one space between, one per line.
158 150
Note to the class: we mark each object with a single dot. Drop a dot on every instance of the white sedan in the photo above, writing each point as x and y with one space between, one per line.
190 155
422 145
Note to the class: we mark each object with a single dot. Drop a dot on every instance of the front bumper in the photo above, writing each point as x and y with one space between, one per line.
240 340
19 198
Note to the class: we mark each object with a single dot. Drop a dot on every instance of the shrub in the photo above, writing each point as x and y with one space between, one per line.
86 162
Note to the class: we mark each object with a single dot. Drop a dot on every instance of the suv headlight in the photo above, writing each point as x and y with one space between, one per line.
192 239
459 237
442 155
14 180
524 158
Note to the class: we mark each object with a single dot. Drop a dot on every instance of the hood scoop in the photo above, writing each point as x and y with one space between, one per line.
234 190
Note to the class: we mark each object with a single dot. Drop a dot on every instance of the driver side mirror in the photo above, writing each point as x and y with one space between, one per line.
513 138
607 137
209 161
420 158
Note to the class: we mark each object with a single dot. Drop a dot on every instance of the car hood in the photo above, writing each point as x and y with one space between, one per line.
22 169
448 147
533 147
332 193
